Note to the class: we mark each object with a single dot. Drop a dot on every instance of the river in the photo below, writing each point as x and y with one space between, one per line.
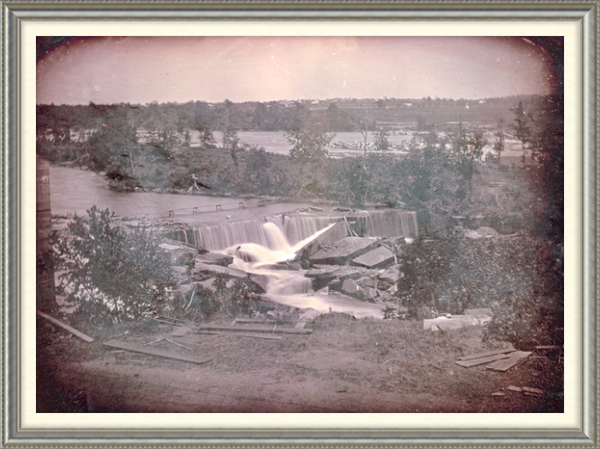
73 191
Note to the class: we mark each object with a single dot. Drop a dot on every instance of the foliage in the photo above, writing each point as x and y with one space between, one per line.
521 123
382 134
228 299
518 277
309 139
113 142
110 274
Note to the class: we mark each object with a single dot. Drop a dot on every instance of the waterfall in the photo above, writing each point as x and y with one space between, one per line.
223 235
289 286
289 229
298 227
392 223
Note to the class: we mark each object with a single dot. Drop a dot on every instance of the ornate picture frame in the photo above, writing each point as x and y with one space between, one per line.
22 427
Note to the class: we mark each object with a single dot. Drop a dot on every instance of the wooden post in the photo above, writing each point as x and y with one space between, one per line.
45 296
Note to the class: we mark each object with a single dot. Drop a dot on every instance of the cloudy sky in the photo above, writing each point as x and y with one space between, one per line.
180 69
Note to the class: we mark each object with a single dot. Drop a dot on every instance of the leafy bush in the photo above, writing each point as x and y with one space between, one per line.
519 277
229 298
109 274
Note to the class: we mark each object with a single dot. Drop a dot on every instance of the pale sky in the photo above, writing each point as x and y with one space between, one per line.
179 69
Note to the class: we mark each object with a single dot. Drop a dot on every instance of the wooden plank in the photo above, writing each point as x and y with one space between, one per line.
264 337
180 331
487 354
268 329
67 327
155 352
512 360
267 321
481 361
533 390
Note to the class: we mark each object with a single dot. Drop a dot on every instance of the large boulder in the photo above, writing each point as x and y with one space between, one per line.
333 234
214 258
376 258
346 272
351 288
321 277
260 280
180 253
204 268
391 274
342 251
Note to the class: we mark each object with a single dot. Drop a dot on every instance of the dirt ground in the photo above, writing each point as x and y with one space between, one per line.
343 366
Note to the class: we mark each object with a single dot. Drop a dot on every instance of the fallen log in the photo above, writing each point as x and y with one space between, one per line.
67 327
155 352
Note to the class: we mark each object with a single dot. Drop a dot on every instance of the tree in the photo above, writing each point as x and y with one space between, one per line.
114 138
467 150
521 124
110 274
228 130
381 138
200 124
362 125
309 139
499 142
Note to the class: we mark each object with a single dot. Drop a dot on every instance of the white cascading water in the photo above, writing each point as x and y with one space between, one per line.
291 287
296 228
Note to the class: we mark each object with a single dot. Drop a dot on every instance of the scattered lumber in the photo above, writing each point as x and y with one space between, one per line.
264 337
268 329
548 347
66 327
264 321
507 350
514 388
512 360
481 360
181 331
155 352
536 391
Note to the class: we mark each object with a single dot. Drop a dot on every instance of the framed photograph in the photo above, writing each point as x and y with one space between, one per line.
290 224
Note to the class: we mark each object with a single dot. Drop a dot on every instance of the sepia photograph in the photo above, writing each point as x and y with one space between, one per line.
300 224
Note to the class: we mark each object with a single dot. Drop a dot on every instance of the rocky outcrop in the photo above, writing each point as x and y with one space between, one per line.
332 235
214 258
376 258
180 253
214 270
343 251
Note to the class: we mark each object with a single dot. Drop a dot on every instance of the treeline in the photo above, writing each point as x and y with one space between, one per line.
439 171
62 121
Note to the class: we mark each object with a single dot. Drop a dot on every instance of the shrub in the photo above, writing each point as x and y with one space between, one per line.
519 277
109 274
228 298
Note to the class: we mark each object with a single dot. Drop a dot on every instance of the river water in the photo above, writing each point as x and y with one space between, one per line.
73 191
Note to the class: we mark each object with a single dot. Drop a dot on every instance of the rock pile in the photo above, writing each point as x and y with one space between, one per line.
363 268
